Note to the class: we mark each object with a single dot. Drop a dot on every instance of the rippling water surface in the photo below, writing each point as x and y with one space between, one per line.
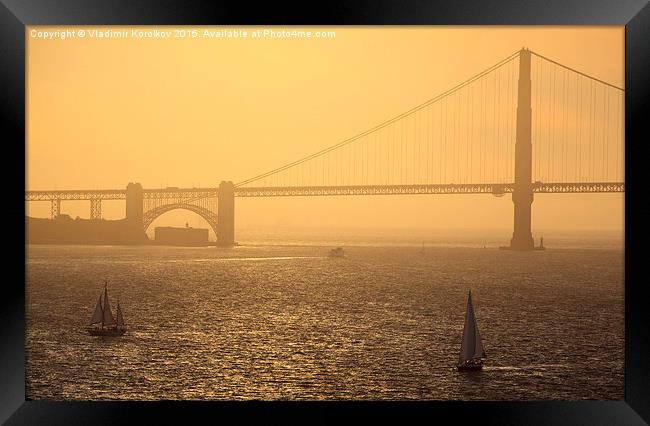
288 322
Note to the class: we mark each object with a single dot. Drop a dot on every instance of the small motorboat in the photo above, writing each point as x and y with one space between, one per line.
337 252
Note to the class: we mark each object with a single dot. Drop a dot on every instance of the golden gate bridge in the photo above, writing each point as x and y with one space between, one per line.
526 125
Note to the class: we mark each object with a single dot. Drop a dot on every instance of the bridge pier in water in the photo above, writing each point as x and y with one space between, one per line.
226 214
522 194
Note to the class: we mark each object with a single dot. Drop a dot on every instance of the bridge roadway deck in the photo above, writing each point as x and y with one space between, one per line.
292 191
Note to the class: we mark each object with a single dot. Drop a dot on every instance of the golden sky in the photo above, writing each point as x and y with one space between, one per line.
192 112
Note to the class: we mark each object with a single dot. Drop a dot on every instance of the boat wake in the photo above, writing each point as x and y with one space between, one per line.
525 367
229 259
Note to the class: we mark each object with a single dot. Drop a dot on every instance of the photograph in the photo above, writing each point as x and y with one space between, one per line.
430 213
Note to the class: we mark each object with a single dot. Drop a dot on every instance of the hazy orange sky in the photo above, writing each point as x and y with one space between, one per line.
192 112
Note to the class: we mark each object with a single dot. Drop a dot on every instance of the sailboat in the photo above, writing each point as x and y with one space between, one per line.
103 323
471 346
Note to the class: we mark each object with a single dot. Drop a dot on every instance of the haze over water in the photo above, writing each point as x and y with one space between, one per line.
272 320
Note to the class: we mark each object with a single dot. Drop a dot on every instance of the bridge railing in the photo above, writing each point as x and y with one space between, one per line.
76 194
480 188
195 194
120 194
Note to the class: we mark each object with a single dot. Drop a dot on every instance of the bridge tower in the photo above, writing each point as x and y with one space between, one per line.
522 194
134 204
226 214
96 208
56 208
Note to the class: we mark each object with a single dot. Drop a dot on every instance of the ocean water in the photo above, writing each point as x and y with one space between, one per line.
267 321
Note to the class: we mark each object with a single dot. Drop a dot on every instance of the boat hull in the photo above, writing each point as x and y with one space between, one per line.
472 365
106 331
469 367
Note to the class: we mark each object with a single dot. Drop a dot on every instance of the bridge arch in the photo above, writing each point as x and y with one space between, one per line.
210 216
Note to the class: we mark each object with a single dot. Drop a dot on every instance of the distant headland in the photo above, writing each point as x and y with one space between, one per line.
65 230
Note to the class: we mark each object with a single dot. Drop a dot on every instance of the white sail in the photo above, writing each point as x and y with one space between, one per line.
120 318
471 345
479 343
97 315
108 314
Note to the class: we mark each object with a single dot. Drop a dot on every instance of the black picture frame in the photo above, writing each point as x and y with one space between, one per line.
16 14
